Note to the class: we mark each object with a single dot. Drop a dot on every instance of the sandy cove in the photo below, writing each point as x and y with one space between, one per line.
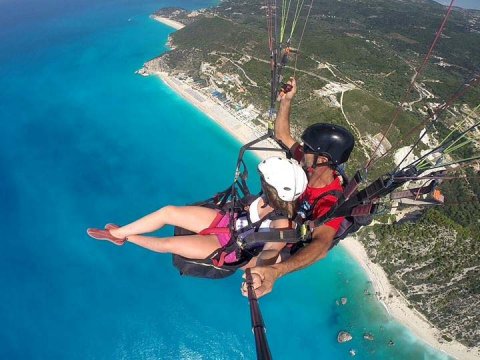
396 306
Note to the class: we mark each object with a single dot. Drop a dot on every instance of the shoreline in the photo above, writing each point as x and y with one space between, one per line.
397 305
169 22
216 112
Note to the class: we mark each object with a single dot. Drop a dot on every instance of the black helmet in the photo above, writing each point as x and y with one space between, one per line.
333 141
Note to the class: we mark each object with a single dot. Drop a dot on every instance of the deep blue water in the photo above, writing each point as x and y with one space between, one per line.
85 141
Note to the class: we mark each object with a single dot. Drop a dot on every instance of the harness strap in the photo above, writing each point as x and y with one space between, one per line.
352 185
308 214
218 256
221 260
335 193
413 193
212 229
256 225
273 235
362 210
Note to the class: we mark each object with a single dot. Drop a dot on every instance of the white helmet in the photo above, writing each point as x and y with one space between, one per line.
285 175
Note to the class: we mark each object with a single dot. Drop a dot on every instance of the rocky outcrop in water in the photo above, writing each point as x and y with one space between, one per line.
344 336
368 336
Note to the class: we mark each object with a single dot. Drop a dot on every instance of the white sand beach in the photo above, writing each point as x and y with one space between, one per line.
215 111
397 305
166 21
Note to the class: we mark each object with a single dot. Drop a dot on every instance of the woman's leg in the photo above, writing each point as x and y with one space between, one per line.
189 246
192 218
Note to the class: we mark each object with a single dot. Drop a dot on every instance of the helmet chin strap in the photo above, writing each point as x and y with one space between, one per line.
315 159
315 164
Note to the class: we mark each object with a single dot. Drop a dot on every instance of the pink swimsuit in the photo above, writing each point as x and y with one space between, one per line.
220 227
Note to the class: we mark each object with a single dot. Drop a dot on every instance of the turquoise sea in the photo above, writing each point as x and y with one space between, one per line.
85 141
